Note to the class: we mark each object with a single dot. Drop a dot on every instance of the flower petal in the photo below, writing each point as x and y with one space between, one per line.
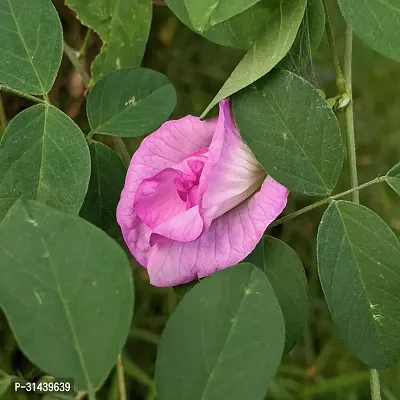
236 174
185 227
166 147
157 198
229 239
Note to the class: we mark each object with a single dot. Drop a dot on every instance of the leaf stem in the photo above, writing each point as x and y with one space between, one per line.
349 115
30 97
82 50
325 201
352 160
340 80
73 57
375 384
121 379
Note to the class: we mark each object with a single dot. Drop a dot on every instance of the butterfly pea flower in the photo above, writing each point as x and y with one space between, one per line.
195 199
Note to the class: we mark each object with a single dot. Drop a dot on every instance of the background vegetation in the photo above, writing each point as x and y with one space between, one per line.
320 366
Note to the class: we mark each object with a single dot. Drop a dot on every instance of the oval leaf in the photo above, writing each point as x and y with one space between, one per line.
358 265
224 340
65 287
207 13
292 131
286 275
130 102
240 31
267 51
124 28
105 186
31 45
44 156
308 38
393 178
376 22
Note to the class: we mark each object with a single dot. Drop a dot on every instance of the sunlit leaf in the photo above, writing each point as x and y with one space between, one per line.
286 275
105 186
123 26
66 290
44 157
207 13
224 340
30 45
292 131
359 269
130 102
376 22
393 178
267 51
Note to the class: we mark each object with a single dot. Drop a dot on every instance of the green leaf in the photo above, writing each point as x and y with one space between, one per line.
376 22
123 26
66 289
308 38
286 275
358 265
207 13
393 178
267 51
130 102
31 45
44 157
224 341
292 131
105 186
240 31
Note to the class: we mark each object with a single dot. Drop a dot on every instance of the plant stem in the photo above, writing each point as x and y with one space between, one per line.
121 379
82 50
349 116
72 55
375 384
340 80
352 160
325 201
35 99
121 149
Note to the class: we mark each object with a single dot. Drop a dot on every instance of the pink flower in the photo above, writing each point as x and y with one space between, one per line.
195 199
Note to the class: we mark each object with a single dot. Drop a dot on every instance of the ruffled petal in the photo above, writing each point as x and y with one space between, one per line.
229 239
166 147
184 227
236 173
157 198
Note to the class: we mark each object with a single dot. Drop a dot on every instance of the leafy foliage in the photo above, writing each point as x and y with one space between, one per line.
66 287
285 273
376 22
44 157
267 51
62 282
30 45
229 325
106 182
130 102
393 178
358 264
122 25
292 131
